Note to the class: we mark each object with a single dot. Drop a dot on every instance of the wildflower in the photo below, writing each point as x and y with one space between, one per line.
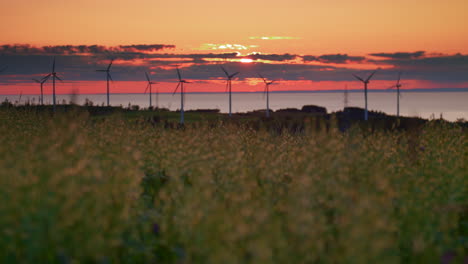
156 229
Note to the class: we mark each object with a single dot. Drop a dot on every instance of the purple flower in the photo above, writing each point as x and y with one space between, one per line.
156 229
447 257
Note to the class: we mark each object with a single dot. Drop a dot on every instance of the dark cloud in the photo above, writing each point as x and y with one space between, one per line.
307 58
283 71
340 58
272 57
447 68
77 63
333 58
457 60
444 69
195 57
71 50
19 49
400 55
24 49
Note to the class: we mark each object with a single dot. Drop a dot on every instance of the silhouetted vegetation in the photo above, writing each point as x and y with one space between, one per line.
290 119
314 109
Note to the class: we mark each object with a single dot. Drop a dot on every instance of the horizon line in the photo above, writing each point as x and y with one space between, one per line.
416 90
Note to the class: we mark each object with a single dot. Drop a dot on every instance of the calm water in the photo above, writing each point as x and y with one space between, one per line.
451 105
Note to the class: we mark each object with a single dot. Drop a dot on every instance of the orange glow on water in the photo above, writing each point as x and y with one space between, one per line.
249 85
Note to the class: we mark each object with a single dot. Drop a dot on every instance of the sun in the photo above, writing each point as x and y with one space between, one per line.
246 60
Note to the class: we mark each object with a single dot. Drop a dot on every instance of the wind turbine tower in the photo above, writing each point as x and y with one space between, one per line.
108 78
267 93
182 94
398 86
149 87
366 82
54 76
41 82
229 87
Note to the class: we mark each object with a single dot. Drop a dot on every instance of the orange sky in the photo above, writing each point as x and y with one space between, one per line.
318 26
300 27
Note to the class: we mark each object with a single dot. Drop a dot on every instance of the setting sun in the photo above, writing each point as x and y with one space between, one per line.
246 60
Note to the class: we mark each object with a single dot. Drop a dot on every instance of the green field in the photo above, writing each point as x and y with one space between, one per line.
81 189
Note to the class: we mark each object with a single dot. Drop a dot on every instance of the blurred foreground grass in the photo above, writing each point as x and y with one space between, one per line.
80 190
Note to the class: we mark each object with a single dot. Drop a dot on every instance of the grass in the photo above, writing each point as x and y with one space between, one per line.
76 189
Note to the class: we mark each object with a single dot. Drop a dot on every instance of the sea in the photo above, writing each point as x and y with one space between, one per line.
451 105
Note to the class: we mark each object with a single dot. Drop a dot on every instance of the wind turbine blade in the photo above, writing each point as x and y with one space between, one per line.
370 76
110 77
224 70
357 77
391 87
232 75
47 76
110 64
147 77
147 87
178 85
178 74
399 78
227 86
36 80
264 80
58 78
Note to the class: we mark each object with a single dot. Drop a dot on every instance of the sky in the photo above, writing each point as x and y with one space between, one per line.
304 44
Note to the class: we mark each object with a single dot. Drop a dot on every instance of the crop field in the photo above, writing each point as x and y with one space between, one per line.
76 189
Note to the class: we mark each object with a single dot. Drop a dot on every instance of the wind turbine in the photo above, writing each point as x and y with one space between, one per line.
398 86
108 77
229 87
366 82
267 92
54 76
182 95
41 82
149 86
